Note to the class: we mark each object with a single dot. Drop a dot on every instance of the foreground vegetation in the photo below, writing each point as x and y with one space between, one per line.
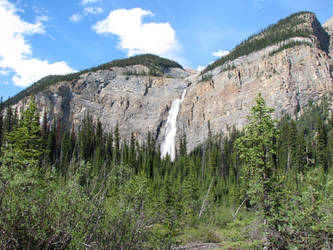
270 185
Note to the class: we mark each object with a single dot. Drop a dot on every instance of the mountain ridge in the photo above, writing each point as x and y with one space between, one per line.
289 74
295 25
156 65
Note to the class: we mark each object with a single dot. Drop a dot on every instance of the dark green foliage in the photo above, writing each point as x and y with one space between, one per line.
97 190
305 218
1 123
25 140
116 147
206 77
9 123
256 149
321 145
156 64
290 44
281 31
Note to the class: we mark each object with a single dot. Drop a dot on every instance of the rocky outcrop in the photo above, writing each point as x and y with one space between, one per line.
328 26
138 102
287 81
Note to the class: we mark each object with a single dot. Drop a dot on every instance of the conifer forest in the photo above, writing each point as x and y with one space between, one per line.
269 185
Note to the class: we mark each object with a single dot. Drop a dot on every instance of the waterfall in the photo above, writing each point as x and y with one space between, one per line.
169 143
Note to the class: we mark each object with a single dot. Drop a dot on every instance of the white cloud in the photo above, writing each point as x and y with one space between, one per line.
93 10
28 73
137 37
258 4
86 2
76 17
220 53
15 51
200 68
42 18
4 72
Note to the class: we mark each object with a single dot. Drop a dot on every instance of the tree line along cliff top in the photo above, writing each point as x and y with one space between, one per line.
155 64
294 25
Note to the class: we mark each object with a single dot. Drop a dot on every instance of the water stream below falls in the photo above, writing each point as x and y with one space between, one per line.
169 144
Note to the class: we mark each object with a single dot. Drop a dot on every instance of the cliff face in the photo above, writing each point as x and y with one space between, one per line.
138 103
287 81
287 78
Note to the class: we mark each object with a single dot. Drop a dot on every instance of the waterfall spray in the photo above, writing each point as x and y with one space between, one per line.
169 143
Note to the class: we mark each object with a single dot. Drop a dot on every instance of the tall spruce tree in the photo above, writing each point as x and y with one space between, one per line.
321 144
116 147
292 140
8 120
25 141
256 148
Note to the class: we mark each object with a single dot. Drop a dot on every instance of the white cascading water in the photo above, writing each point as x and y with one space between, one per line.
169 143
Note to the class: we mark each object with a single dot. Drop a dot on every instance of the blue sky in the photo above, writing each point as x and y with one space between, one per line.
39 37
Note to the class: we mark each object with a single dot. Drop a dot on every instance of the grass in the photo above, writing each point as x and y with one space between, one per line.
244 232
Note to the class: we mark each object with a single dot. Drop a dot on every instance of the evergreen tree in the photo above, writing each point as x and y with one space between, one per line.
99 135
330 147
44 129
182 146
66 152
256 148
51 144
116 147
87 138
109 147
8 120
132 154
25 141
301 154
321 144
283 145
292 144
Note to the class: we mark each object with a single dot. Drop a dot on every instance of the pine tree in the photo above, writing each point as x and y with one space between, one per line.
99 135
109 147
301 154
66 152
8 120
51 144
321 144
44 129
182 146
116 147
256 148
25 141
86 138
132 154
292 137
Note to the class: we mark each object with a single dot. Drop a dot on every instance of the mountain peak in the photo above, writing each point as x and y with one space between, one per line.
303 25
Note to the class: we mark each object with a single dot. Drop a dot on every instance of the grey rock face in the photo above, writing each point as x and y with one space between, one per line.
287 81
139 103
136 102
